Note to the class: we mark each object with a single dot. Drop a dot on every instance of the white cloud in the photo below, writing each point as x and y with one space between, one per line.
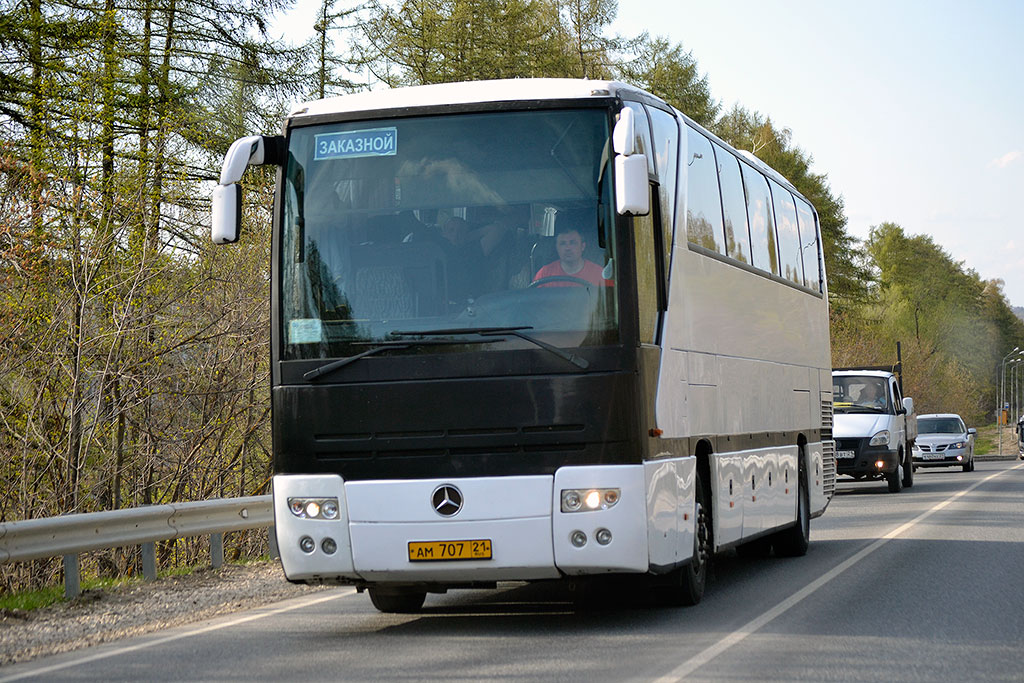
1006 159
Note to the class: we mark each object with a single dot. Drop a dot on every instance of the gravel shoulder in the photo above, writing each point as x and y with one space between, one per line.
105 615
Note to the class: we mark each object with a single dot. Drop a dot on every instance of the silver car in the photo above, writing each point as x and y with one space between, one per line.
943 440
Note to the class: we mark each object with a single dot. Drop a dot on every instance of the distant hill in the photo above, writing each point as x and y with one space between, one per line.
1019 311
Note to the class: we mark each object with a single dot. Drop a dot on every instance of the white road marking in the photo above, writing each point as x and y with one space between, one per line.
114 652
754 625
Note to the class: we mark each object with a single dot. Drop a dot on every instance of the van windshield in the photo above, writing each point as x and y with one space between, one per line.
860 394
474 220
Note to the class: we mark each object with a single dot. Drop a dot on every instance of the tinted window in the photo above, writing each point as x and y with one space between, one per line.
440 222
646 277
789 234
940 425
666 153
643 133
762 227
737 239
703 204
809 244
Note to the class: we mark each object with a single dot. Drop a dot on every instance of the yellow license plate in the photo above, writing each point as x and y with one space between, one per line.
434 551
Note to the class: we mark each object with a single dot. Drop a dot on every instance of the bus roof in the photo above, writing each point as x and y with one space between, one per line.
465 93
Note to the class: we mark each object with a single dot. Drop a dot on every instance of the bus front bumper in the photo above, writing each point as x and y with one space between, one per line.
504 528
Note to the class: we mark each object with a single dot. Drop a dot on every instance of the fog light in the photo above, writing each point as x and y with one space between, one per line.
329 546
307 544
603 536
571 501
329 509
879 464
578 539
296 506
611 497
312 509
593 500
959 457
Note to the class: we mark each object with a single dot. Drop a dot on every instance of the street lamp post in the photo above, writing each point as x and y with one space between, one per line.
1002 396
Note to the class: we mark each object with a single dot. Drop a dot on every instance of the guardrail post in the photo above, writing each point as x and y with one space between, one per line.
149 561
72 577
272 541
217 550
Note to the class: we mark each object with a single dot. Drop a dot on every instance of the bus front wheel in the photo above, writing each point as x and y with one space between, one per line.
688 582
396 602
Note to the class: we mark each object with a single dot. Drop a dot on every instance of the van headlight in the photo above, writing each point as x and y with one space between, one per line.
880 439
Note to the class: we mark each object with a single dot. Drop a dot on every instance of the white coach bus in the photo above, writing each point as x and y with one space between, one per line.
530 330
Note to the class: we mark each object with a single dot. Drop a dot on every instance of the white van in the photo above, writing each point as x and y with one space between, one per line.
874 427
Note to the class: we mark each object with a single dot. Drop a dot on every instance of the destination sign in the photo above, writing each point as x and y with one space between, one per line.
374 142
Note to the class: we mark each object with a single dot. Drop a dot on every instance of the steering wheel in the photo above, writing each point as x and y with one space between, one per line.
560 278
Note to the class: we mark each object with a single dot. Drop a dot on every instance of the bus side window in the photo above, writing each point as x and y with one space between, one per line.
734 206
703 203
666 154
646 275
788 234
809 244
762 226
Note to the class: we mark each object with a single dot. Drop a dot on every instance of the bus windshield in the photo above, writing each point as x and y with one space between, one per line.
442 223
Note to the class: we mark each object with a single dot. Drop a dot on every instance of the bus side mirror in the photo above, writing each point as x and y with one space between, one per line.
227 213
226 208
632 195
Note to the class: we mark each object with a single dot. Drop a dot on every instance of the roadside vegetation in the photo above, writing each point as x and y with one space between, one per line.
134 364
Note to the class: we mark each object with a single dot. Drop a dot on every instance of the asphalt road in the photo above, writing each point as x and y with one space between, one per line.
924 585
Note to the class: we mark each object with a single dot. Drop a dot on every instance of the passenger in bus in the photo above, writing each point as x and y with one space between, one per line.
570 245
467 249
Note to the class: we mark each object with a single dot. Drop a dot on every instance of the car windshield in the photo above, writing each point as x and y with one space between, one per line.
859 394
473 220
940 425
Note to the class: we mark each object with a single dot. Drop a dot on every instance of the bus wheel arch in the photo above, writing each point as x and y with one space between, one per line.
794 540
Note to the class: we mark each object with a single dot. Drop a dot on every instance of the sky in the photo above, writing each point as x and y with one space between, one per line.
913 109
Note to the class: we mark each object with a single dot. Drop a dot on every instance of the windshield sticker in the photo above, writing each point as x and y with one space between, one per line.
375 142
305 331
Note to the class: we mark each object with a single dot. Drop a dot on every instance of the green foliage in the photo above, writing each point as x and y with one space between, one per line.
954 327
671 73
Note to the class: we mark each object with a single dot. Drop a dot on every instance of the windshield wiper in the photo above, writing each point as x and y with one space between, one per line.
498 331
383 346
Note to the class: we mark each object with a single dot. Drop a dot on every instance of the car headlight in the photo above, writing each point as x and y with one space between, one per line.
880 439
959 444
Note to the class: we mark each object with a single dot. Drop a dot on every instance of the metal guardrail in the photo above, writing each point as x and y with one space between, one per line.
69 535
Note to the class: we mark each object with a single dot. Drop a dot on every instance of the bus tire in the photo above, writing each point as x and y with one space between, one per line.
688 582
794 540
396 602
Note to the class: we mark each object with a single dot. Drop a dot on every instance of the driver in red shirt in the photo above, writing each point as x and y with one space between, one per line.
570 264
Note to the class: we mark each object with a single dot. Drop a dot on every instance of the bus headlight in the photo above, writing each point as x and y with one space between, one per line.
584 500
314 508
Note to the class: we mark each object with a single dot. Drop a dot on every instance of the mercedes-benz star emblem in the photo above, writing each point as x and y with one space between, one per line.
447 500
